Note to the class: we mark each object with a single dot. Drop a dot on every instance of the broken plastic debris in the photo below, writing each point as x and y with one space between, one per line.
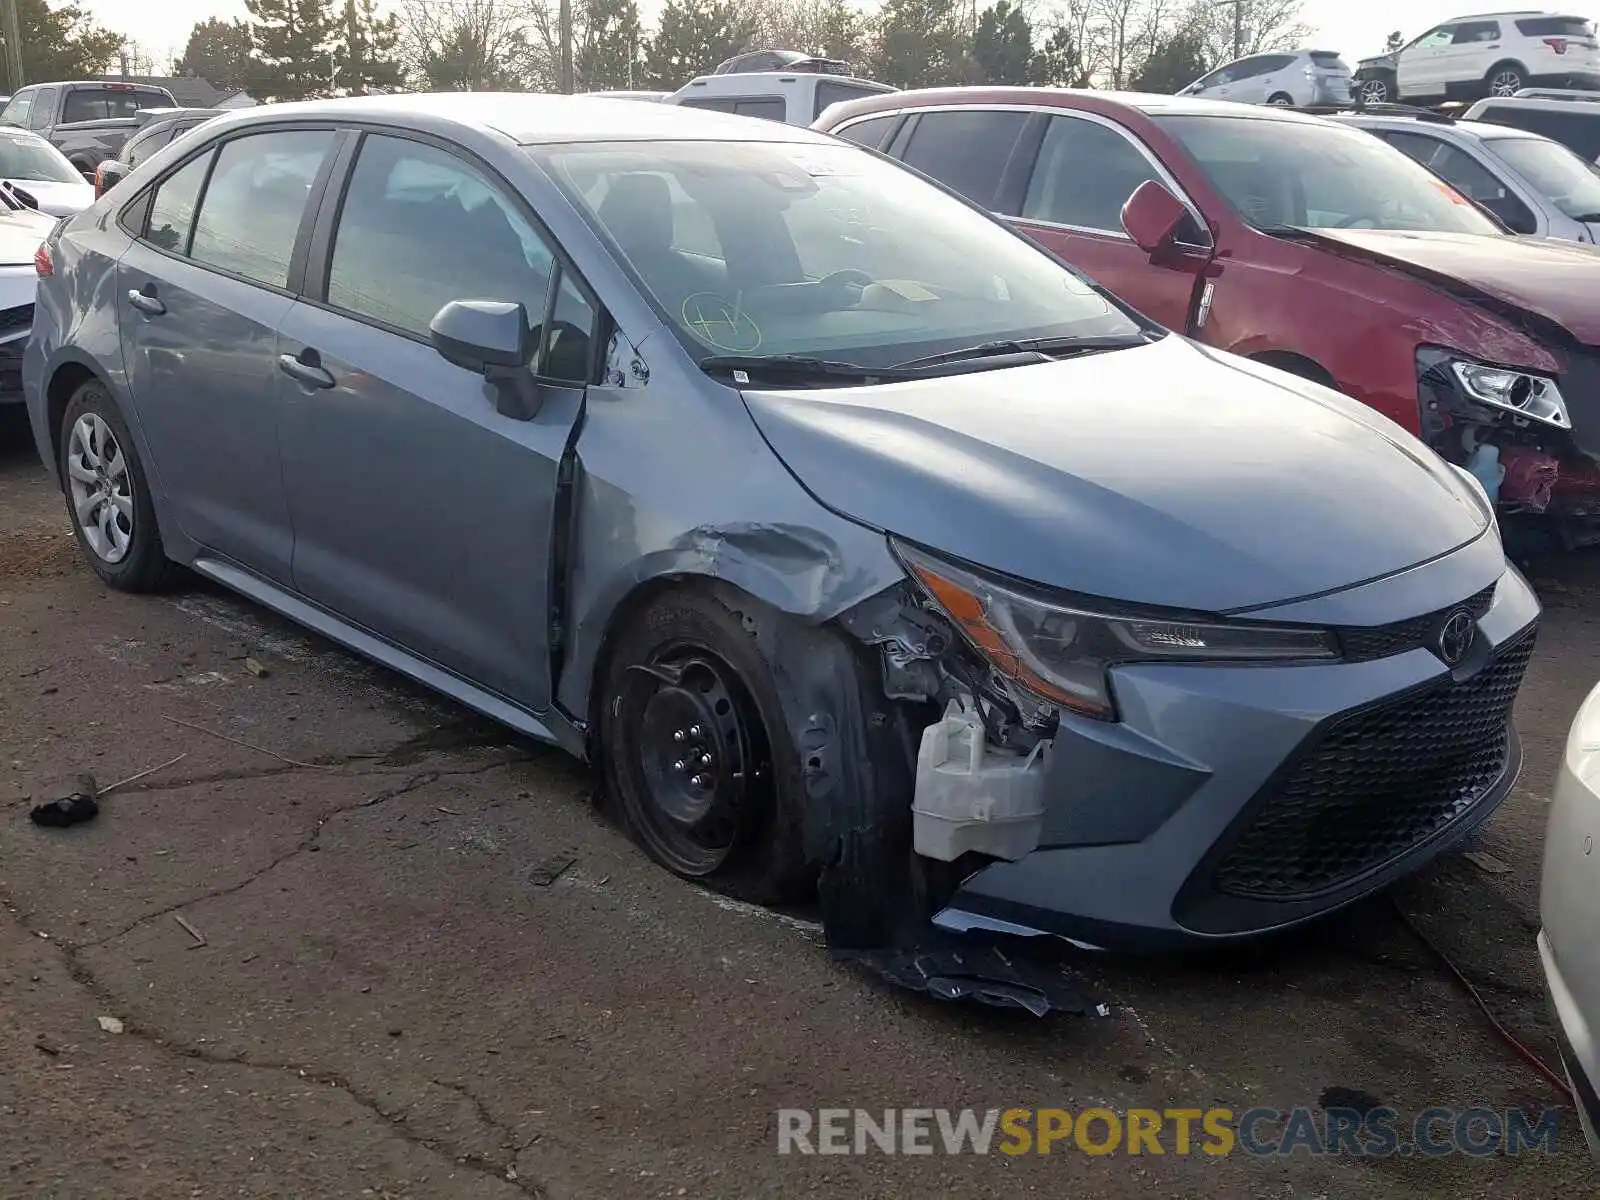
75 807
954 969
110 1024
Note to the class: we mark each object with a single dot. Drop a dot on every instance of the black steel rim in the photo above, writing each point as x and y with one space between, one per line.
698 752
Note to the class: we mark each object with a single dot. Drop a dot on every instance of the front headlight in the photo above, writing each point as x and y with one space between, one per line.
1061 651
1521 393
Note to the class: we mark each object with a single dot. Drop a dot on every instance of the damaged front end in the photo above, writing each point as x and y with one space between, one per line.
1513 430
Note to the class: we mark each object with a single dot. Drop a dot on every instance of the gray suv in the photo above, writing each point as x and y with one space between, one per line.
863 545
1536 186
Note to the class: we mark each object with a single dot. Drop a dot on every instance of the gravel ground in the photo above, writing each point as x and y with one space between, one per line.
376 989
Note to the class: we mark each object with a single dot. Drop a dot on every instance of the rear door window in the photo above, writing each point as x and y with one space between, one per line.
1085 174
251 212
870 133
1471 32
966 150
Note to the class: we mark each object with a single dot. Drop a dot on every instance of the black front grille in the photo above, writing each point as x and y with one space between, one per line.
1377 783
15 320
1380 641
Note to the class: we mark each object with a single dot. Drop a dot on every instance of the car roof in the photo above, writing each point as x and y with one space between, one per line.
1482 130
532 118
1088 99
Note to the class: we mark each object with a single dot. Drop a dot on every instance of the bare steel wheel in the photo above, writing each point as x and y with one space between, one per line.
698 759
102 494
107 495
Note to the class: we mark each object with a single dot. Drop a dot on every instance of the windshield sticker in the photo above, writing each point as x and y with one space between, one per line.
718 322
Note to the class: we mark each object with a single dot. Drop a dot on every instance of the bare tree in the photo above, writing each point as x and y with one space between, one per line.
466 45
1231 28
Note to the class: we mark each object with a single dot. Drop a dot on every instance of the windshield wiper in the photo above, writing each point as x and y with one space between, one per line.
1043 349
1588 218
795 365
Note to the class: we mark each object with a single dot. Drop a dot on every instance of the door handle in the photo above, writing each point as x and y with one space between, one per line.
146 300
306 368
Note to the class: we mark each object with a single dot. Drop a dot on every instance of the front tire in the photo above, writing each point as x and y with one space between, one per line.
1378 89
1281 100
1505 79
697 757
108 499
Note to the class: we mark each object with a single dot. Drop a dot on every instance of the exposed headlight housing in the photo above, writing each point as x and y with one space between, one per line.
1060 650
1523 393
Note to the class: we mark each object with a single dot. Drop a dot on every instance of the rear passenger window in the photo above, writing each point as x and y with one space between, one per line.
1084 176
870 133
172 210
769 108
1471 32
250 216
419 228
965 150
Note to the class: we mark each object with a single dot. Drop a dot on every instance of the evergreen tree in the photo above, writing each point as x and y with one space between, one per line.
923 43
610 54
62 42
1174 64
365 57
292 48
1002 48
217 51
693 37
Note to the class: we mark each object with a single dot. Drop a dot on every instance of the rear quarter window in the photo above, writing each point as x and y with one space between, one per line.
1570 27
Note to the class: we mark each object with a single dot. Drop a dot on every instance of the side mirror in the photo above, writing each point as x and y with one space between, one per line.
108 174
1153 216
491 338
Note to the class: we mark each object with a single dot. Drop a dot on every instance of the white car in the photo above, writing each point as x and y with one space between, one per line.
1495 54
1302 78
22 231
42 173
1569 900
793 97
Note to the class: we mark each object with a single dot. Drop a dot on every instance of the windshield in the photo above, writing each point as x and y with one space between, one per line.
777 248
1563 178
1315 175
35 159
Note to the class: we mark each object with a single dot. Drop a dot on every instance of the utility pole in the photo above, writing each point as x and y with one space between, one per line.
1238 28
11 29
565 21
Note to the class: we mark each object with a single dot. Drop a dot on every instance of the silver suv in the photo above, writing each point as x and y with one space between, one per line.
1299 78
1536 186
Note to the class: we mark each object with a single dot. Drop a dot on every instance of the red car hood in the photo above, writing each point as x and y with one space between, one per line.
1558 281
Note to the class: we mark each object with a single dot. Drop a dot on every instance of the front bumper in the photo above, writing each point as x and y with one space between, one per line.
1229 802
18 287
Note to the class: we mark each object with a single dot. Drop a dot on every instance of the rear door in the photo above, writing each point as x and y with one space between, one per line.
422 513
1473 49
1086 169
200 294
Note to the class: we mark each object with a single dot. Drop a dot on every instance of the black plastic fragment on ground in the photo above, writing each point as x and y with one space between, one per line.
964 968
73 808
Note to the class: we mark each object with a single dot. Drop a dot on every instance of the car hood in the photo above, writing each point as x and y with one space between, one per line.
1379 60
1164 474
57 198
1557 281
20 235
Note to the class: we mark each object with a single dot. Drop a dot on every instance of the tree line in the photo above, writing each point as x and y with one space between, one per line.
295 49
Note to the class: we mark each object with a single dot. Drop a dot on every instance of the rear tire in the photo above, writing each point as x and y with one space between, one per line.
697 758
108 499
1505 79
1281 100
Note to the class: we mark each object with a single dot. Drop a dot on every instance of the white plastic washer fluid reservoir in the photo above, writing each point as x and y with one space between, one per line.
973 796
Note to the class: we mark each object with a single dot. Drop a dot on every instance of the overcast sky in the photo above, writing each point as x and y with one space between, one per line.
1355 28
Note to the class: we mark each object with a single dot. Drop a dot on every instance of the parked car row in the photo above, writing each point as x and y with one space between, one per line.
87 121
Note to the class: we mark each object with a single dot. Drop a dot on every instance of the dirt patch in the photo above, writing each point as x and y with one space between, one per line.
36 554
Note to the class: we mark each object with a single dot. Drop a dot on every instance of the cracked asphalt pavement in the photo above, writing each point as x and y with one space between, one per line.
401 956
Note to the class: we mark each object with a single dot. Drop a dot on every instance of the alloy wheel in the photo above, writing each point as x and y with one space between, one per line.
700 753
1505 83
102 490
1374 91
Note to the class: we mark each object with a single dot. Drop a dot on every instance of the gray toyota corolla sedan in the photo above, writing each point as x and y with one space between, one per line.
863 544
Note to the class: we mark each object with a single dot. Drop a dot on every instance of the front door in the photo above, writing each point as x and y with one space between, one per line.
421 513
201 293
1424 62
1085 172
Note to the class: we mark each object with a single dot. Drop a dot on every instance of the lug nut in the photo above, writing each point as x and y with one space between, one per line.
680 765
699 781
677 735
694 731
705 760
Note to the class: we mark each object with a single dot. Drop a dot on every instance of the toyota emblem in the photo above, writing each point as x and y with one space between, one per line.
1455 636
